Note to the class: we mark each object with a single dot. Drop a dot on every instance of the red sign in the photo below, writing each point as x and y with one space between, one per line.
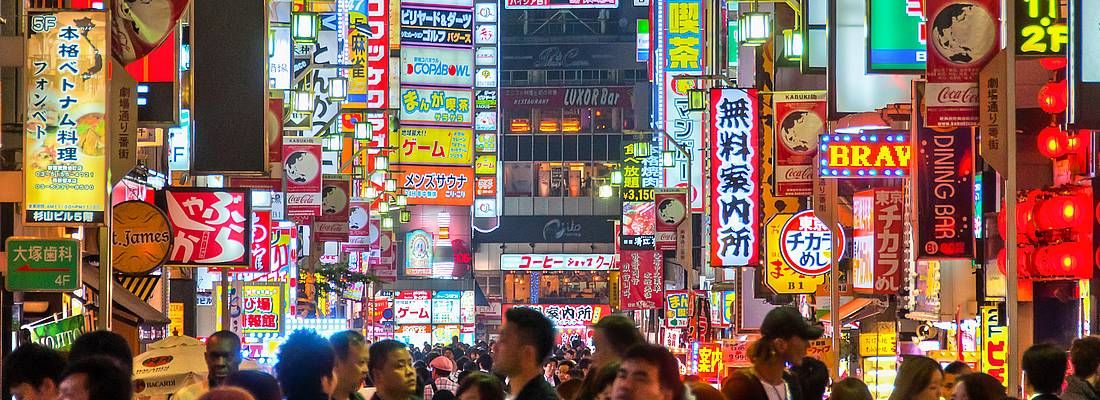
800 120
139 27
159 65
735 180
569 97
211 226
261 242
671 211
275 121
877 217
333 225
565 315
386 267
486 186
707 361
641 279
302 172
962 37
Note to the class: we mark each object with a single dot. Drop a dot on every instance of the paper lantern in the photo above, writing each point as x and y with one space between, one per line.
1053 142
1053 97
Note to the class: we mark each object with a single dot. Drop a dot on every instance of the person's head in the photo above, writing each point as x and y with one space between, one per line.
391 369
223 356
704 391
850 389
351 360
442 367
602 382
785 336
526 339
813 377
570 354
979 386
584 364
95 378
648 372
951 374
550 367
306 365
612 336
1044 368
569 390
33 372
103 343
449 353
227 393
1084 354
918 378
478 386
485 363
563 370
261 385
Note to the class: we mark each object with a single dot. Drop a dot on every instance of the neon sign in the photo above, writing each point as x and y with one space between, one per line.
885 155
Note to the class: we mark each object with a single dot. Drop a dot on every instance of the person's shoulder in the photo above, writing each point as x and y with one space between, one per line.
191 392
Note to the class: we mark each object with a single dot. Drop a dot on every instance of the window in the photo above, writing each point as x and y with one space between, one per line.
490 282
518 179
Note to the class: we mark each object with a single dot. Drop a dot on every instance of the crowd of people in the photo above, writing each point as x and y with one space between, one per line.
525 363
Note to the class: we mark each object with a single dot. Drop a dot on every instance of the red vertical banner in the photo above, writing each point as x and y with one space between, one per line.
360 229
671 211
963 35
368 51
735 178
261 242
283 250
302 172
333 225
641 279
878 216
275 129
800 120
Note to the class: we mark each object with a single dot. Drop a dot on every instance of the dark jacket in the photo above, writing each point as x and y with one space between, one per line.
745 385
375 397
1079 389
1045 396
537 389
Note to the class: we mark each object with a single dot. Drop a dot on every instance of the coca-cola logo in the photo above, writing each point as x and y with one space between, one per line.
330 227
799 173
301 198
949 95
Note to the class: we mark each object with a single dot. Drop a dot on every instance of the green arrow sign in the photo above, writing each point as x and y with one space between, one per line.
43 265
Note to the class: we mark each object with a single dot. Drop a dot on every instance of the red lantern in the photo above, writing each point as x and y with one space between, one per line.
1053 97
1053 142
1024 268
1053 63
1065 211
1069 259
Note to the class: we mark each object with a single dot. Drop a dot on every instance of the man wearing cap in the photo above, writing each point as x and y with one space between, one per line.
785 336
442 367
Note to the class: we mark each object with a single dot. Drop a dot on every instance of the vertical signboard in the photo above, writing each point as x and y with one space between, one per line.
963 36
993 114
65 131
944 187
261 241
800 120
877 217
683 39
641 279
333 223
640 169
262 308
994 343
735 180
671 212
302 172
486 202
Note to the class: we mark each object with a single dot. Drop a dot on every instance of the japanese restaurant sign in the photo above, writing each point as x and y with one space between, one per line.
877 217
963 35
435 146
641 173
262 308
332 225
302 172
423 105
885 154
800 120
641 279
557 262
413 307
735 182
681 40
65 131
453 186
211 226
809 245
677 306
943 189
567 314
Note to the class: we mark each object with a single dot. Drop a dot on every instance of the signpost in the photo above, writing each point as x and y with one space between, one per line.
42 265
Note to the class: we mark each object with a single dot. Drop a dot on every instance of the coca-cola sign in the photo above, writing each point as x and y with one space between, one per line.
539 97
800 120
302 172
953 95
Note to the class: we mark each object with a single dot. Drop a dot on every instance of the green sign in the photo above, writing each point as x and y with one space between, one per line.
896 43
43 265
58 335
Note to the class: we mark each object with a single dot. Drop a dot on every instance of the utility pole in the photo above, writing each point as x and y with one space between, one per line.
1012 305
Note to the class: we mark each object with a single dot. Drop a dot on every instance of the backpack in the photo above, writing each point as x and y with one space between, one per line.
441 394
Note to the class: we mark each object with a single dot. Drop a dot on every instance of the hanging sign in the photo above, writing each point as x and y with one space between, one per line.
806 244
885 154
262 308
641 279
434 146
962 37
332 225
944 187
42 265
779 275
671 211
434 106
677 308
302 172
735 181
141 237
801 121
878 216
211 226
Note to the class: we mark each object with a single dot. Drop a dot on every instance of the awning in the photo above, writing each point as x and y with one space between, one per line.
856 309
126 301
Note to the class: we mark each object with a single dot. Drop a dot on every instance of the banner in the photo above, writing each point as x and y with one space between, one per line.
360 230
440 27
333 224
65 131
994 113
943 186
641 279
671 211
302 172
735 178
557 262
435 146
878 216
453 186
963 36
800 120
434 106
435 66
210 225
262 242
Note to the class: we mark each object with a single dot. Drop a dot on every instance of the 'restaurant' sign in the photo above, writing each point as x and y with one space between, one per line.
141 237
735 181
944 192
877 217
557 262
211 226
568 97
962 36
865 155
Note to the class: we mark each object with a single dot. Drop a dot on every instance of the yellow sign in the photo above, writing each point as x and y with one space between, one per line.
141 238
779 276
994 344
486 164
175 315
65 132
613 288
435 146
878 344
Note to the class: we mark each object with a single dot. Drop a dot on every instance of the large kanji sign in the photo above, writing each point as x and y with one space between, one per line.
211 226
878 216
413 307
565 315
735 178
261 241
641 279
262 308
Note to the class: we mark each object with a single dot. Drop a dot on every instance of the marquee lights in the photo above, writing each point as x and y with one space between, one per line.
885 155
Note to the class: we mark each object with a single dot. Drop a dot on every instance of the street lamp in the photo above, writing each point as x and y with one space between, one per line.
371 192
668 159
303 101
406 216
362 130
402 200
383 206
381 163
616 177
387 223
606 191
338 88
792 44
303 27
391 185
755 28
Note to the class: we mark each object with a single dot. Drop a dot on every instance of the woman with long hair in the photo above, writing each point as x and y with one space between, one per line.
979 386
919 378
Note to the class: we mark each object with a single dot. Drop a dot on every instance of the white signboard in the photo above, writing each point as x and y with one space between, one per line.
486 78
436 106
557 262
179 143
485 55
485 12
279 63
437 66
485 34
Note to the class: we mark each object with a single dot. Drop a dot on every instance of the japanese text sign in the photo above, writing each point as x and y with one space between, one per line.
427 185
434 146
65 131
1040 28
332 225
943 189
677 306
302 172
284 252
641 173
436 106
437 27
559 4
994 343
779 275
557 262
369 52
706 361
211 226
684 35
735 181
262 308
42 265
446 307
261 241
800 122
807 243
898 36
680 43
865 155
568 315
878 216
641 279
413 307
437 66
963 36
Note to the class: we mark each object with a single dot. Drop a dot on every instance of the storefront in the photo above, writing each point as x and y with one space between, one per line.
572 321
425 316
